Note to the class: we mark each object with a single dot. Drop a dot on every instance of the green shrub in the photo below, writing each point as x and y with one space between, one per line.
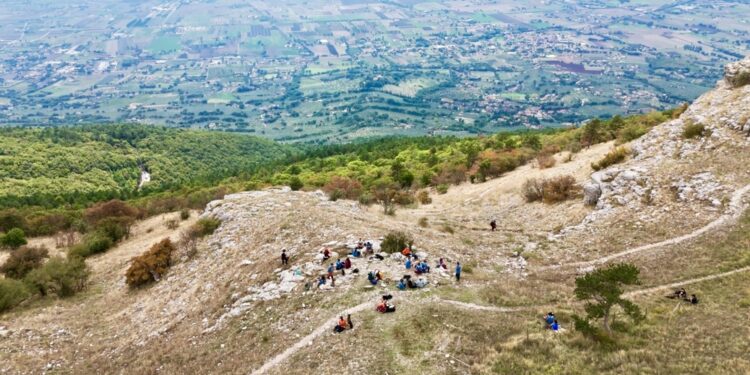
151 265
110 209
184 214
631 132
615 156
295 183
206 226
23 261
93 243
114 228
59 276
12 292
394 242
14 239
442 188
366 198
691 130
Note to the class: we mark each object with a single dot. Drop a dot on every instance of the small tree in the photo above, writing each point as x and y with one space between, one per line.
295 183
602 290
14 239
386 195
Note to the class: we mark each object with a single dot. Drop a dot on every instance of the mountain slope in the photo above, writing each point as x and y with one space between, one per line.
234 309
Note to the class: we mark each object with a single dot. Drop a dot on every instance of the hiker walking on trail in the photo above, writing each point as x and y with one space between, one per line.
458 271
284 258
493 225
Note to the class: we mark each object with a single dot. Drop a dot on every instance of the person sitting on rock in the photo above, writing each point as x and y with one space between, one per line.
360 244
356 253
347 263
341 326
378 275
401 284
372 278
408 264
406 252
339 265
693 299
321 280
679 294
326 254
368 247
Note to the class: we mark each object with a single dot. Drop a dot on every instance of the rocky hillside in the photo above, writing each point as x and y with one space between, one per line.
675 207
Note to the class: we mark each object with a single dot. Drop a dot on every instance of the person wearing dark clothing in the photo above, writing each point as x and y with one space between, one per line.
341 326
349 321
458 272
693 299
493 225
284 258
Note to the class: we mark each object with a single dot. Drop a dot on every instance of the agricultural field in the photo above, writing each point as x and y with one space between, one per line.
332 71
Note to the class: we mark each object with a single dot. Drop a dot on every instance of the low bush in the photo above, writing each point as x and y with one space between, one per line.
691 130
93 243
12 292
424 197
615 156
114 228
59 276
533 190
14 239
184 214
550 190
631 132
172 224
205 227
151 265
442 189
23 261
560 188
295 183
394 242
545 161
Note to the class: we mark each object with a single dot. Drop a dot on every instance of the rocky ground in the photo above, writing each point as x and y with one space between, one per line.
233 308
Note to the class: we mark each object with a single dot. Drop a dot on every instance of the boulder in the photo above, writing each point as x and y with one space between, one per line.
591 193
737 74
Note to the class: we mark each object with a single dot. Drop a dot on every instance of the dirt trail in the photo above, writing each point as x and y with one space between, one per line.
736 208
678 284
307 340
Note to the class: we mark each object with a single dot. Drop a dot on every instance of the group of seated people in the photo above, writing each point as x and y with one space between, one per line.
407 282
366 246
385 306
346 264
374 276
682 294
550 322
